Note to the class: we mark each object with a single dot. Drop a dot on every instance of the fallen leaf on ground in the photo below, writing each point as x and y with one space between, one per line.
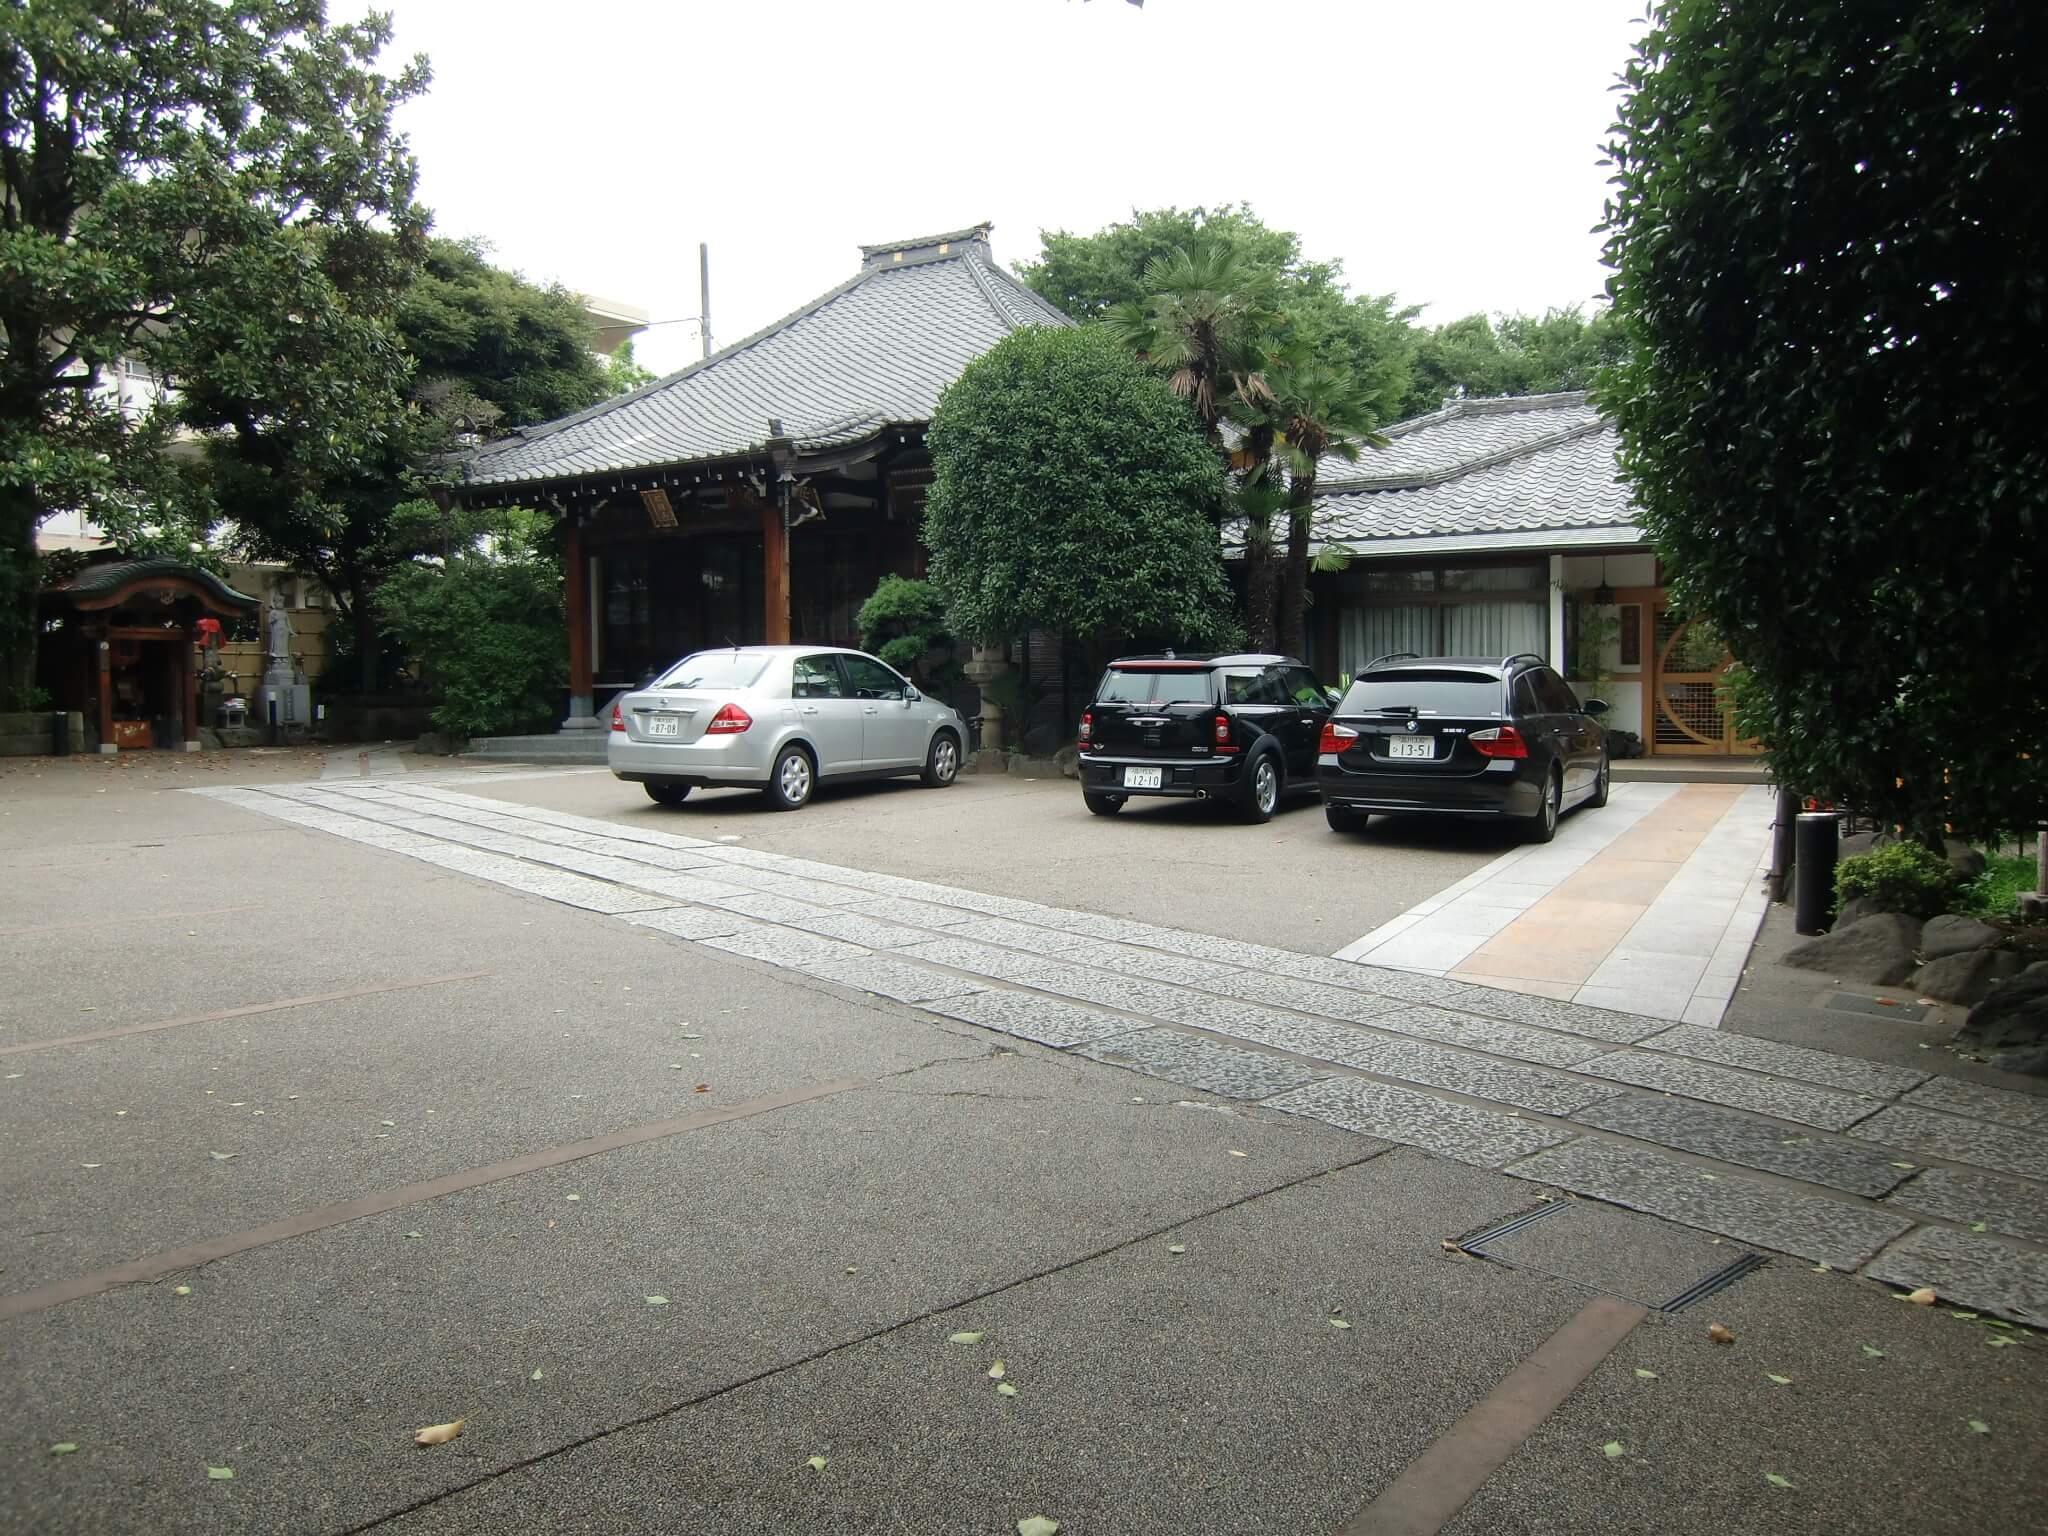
1823 1269
1176 1247
181 1290
657 1301
1998 1341
1720 1334
439 1434
1873 1351
387 1122
536 1376
1611 1449
1235 1153
1338 1322
572 1197
1976 1226
92 1165
415 1234
64 1448
1776 1481
966 1338
1968 1317
1905 1165
817 1463
1006 1389
702 1088
1783 1381
1924 1297
1037 1525
996 1371
220 1474
1978 1426
1646 1375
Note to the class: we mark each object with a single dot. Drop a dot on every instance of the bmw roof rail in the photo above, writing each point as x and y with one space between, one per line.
1380 661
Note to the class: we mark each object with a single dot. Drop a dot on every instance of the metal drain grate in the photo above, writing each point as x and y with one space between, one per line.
1715 1283
1475 1242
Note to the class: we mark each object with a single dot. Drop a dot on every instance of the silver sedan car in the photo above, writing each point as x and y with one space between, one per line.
780 718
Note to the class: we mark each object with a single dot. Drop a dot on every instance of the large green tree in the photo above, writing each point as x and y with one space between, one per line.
200 185
1513 354
1830 235
1073 492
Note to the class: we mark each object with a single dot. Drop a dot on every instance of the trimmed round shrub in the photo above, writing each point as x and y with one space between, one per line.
1900 877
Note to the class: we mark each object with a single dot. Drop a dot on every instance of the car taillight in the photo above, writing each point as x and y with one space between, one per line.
1223 734
1336 737
1501 741
1087 724
729 721
618 720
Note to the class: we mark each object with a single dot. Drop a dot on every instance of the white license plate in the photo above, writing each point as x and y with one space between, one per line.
1411 746
1144 778
664 725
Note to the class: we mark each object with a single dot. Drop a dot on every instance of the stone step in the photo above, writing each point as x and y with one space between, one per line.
562 747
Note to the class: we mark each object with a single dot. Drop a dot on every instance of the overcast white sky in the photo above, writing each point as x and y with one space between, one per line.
1447 152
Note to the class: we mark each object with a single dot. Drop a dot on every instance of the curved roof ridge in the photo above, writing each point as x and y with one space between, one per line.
1417 479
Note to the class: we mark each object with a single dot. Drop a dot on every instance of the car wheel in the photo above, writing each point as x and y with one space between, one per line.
1103 805
1261 789
791 780
1543 825
942 762
667 794
1343 818
1601 784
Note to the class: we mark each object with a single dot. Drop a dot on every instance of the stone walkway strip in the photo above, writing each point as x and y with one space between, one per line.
1797 1150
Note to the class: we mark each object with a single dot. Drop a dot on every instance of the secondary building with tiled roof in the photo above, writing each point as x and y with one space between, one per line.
1500 525
765 490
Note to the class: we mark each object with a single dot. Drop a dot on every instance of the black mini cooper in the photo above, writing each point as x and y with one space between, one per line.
1462 736
1241 730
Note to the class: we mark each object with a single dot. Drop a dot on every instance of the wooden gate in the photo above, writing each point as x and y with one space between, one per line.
1688 715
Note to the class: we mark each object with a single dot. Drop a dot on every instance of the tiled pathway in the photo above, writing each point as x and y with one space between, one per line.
1853 1164
1648 905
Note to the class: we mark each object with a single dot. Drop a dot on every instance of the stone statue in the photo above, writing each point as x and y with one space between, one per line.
279 649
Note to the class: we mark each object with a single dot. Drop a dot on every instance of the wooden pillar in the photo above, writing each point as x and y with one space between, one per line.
106 657
576 603
774 576
188 694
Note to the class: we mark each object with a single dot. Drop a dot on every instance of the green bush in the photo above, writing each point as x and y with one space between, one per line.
488 635
902 621
1996 892
1902 876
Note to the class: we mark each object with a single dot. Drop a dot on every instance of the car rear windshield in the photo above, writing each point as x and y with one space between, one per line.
1428 691
1133 685
713 670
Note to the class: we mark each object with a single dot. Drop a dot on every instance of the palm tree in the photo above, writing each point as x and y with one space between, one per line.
1322 414
1203 328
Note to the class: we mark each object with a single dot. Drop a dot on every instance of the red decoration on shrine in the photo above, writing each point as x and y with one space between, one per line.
207 633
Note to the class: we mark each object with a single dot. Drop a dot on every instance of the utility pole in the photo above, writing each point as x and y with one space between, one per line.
704 293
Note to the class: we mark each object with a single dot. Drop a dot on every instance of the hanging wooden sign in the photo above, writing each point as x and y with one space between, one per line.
659 512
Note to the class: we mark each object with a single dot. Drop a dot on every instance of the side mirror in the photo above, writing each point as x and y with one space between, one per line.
1595 706
911 696
1336 697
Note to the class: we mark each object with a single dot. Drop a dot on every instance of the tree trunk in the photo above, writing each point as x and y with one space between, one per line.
18 582
1261 583
1301 493
364 617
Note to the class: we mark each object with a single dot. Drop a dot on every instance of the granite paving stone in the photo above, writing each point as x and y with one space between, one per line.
890 978
1091 925
2025 1110
1786 1100
1338 1043
856 929
901 909
1822 1067
813 892
1555 1013
1464 1133
689 887
1304 996
1132 996
1203 1065
1978 1272
1375 980
1414 1061
1015 935
1148 964
575 890
1046 1020
1813 1227
690 922
1208 947
1516 1040
1734 1138
770 909
2017 1207
1958 1140
978 959
779 946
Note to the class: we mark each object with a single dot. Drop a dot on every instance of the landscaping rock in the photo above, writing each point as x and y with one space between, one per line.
1968 977
1876 950
1857 908
2013 1017
1966 861
2032 1060
1069 761
1954 935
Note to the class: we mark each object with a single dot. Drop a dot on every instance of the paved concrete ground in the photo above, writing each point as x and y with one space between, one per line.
859 1181
1648 905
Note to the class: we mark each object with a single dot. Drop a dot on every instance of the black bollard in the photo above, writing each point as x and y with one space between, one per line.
60 726
1819 845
